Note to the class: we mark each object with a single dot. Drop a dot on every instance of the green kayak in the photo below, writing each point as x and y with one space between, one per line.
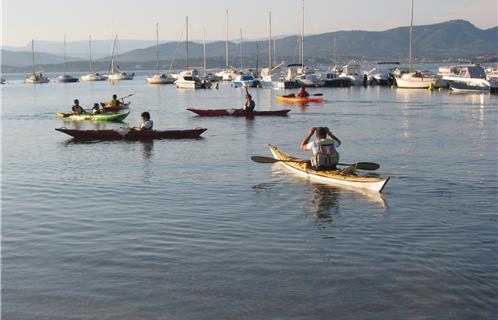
108 116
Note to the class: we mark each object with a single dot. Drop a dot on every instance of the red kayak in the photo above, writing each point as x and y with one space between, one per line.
237 112
127 134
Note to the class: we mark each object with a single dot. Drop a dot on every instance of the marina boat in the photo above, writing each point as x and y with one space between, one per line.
492 77
106 116
353 71
228 73
159 78
2 80
337 178
333 78
382 76
469 78
236 112
189 79
269 78
65 78
35 78
131 134
115 72
414 79
245 80
92 76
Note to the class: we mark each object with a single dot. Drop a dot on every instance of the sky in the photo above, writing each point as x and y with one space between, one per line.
23 20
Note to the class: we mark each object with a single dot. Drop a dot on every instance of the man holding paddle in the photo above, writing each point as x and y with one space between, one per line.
325 155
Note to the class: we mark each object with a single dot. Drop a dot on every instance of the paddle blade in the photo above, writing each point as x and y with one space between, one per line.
260 159
317 94
367 166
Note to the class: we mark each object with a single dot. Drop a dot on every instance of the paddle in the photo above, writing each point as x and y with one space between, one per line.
358 165
131 94
317 94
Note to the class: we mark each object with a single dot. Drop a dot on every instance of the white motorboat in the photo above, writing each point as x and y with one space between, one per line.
334 78
381 75
35 78
92 76
189 79
471 78
353 71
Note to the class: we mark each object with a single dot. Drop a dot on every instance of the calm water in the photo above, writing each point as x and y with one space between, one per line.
195 230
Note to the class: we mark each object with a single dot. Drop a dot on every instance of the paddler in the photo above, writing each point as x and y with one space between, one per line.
147 124
303 93
115 103
249 105
77 109
325 155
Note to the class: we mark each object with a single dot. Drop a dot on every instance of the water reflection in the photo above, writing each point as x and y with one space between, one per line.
147 148
322 203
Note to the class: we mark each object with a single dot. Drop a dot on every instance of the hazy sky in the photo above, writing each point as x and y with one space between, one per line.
23 20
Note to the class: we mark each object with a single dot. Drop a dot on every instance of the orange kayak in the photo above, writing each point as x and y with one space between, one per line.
299 100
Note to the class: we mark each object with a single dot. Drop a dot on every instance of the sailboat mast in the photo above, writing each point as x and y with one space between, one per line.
411 40
117 52
90 47
33 53
257 59
269 44
302 39
241 53
226 39
186 51
157 47
204 49
64 54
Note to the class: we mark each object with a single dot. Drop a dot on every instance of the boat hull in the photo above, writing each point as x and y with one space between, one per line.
127 134
236 112
331 177
298 100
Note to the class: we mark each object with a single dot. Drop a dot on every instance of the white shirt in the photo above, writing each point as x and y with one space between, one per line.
314 146
147 125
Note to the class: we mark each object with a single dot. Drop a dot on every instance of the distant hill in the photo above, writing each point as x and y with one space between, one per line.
11 58
452 39
447 41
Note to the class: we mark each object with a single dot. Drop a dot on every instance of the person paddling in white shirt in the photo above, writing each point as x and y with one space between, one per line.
325 155
147 124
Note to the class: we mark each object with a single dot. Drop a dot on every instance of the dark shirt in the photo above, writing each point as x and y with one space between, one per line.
250 105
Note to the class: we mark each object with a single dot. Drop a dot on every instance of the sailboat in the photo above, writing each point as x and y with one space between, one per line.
188 79
159 78
228 73
65 78
414 79
116 73
269 78
92 76
35 78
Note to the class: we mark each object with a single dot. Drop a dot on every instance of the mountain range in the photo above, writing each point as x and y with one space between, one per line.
446 41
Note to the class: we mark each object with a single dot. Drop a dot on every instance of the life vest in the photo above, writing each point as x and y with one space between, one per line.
327 156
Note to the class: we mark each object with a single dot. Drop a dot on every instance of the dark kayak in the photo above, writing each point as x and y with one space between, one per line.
236 112
127 134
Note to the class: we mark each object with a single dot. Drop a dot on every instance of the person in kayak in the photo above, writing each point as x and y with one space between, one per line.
303 93
325 155
77 109
115 103
96 109
147 124
249 105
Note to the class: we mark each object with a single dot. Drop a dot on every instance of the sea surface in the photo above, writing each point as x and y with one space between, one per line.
193 229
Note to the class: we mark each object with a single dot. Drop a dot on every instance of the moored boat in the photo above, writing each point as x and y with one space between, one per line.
332 177
131 134
236 112
106 116
299 100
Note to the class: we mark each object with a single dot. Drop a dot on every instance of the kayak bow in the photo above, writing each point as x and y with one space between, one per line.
107 116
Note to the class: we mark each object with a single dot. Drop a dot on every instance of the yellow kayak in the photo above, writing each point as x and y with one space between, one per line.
332 177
